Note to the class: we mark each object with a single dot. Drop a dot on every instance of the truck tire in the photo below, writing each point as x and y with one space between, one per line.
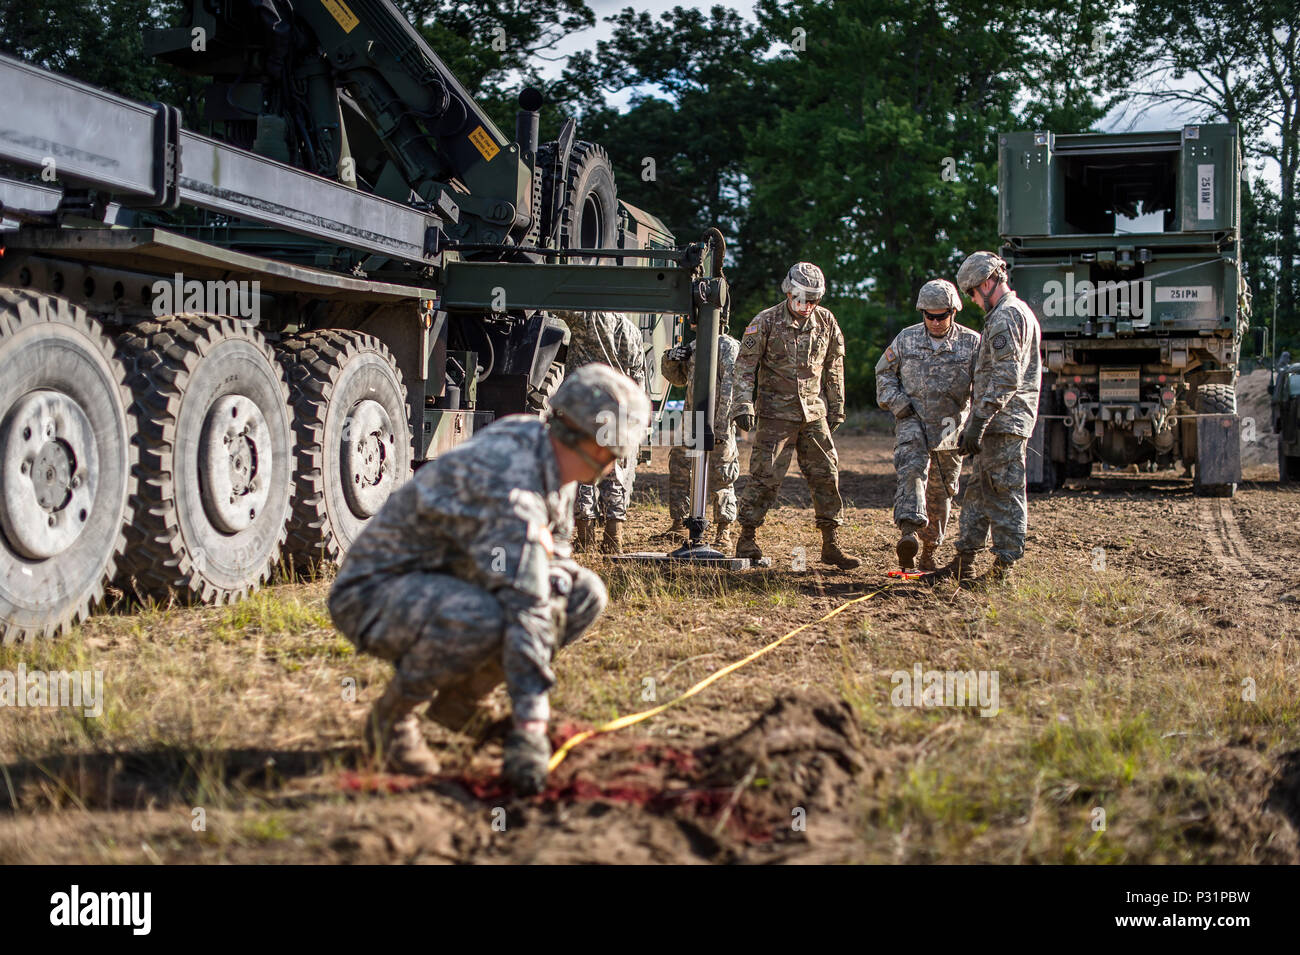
1214 399
65 464
352 423
216 459
539 399
588 219
1288 465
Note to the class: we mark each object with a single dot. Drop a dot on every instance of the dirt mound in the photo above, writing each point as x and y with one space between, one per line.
1250 807
786 788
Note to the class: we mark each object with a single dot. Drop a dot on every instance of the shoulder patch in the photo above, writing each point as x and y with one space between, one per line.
1000 341
890 355
753 327
750 341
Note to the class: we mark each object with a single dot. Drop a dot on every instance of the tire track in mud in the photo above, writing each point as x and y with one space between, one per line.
1227 545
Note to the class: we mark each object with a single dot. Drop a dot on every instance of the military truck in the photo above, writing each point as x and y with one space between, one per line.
1284 389
220 352
1127 246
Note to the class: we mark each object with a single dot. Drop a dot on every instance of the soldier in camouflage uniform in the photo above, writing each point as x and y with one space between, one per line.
924 379
678 367
794 353
465 577
614 339
1003 409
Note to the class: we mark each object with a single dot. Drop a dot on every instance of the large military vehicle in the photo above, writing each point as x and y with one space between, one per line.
1284 391
220 353
1127 246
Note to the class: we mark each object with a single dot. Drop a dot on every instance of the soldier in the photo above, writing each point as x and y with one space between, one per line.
678 366
794 352
613 339
924 378
464 577
1004 405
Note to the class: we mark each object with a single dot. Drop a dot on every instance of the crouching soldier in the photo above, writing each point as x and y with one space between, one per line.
465 576
924 380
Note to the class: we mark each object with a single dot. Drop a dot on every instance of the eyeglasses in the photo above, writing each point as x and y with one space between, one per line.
930 317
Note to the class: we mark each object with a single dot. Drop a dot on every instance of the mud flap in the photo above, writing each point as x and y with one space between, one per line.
1218 449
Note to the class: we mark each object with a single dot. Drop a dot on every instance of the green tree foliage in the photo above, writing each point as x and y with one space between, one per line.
1236 61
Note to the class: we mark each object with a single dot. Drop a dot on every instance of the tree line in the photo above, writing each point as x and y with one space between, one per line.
858 134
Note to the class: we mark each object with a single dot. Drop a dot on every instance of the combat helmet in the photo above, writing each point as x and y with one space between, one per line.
938 295
598 402
805 281
978 267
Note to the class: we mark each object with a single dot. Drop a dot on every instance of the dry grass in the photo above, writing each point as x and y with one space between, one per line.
1120 690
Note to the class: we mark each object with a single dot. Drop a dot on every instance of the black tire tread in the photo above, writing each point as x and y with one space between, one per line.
313 362
14 316
162 356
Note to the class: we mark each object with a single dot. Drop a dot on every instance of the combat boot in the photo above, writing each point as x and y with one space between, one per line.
925 563
747 546
722 538
831 553
906 550
960 568
675 532
1000 572
584 536
392 734
613 542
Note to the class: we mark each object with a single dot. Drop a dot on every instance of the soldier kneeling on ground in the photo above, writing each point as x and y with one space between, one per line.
465 577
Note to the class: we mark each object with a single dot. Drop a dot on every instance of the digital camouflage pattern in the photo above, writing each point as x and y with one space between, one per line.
470 562
614 339
797 365
931 377
678 367
995 499
1008 375
1008 370
774 443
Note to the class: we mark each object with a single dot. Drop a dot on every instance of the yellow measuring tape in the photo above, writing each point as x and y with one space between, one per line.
632 718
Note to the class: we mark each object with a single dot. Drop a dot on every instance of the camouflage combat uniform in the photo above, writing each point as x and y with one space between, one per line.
933 376
1007 377
465 575
724 459
610 338
799 372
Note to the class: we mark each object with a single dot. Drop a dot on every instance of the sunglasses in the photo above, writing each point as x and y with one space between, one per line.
937 318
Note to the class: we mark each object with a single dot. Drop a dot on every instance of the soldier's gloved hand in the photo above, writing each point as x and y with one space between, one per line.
973 436
678 353
527 753
834 423
907 411
745 422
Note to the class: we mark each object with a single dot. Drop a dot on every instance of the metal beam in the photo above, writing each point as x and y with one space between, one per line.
512 285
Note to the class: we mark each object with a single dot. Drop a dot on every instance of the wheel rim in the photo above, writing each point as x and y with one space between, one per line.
51 473
369 457
235 460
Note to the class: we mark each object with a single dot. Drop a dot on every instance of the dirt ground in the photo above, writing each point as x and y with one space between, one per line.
1145 652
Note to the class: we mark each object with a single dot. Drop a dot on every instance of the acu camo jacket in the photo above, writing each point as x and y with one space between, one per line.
796 364
1008 368
935 381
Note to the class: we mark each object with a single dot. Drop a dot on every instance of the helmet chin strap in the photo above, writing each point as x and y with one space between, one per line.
600 469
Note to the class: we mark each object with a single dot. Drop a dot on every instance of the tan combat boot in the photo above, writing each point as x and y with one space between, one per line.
831 553
722 538
998 573
675 532
392 734
906 550
925 563
960 568
584 536
747 546
613 542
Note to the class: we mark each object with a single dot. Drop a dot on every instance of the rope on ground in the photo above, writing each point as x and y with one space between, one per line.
624 721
